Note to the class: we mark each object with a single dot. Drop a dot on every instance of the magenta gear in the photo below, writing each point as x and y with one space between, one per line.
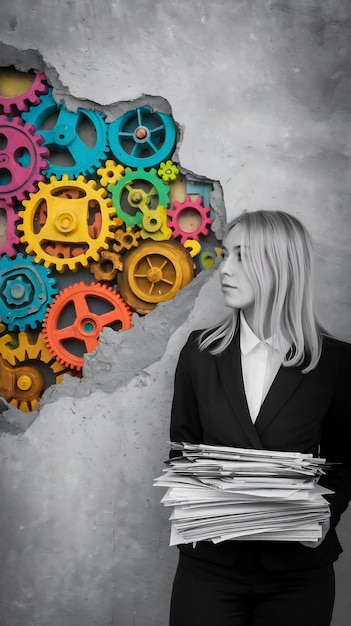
22 159
12 238
15 104
189 219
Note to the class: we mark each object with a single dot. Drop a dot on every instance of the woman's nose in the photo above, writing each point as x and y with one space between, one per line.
225 267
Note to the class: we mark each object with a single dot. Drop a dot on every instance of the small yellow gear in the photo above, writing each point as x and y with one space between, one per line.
110 173
107 266
22 382
67 222
193 247
154 224
125 239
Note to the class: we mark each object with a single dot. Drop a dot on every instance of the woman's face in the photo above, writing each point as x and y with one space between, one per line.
237 290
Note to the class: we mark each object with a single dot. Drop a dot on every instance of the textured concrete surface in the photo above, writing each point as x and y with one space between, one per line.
261 89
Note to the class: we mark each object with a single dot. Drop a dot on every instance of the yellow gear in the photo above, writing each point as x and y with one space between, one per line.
107 266
110 173
67 222
154 224
125 239
22 383
193 247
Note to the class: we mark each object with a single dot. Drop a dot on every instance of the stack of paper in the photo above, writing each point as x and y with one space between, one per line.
219 493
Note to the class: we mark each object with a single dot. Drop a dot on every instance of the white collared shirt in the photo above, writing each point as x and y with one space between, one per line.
260 363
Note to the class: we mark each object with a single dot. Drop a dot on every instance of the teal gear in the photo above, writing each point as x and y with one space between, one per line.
64 137
26 289
142 137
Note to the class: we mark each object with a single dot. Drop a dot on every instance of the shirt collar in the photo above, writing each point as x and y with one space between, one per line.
249 341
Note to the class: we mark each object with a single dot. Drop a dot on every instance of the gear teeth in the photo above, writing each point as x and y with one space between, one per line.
28 280
92 238
22 137
16 104
131 177
12 239
110 173
73 294
88 159
183 207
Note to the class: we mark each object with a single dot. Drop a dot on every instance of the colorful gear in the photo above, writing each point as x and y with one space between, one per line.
142 137
8 235
189 219
154 272
65 137
155 224
24 356
25 291
67 223
125 239
193 246
21 386
107 266
19 90
168 171
110 173
138 190
65 339
22 159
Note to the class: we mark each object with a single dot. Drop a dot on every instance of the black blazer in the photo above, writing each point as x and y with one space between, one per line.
309 413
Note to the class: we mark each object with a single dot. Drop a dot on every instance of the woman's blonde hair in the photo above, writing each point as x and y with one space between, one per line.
276 252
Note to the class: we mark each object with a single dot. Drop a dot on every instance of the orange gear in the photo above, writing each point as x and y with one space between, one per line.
107 266
154 272
24 358
125 239
95 306
22 386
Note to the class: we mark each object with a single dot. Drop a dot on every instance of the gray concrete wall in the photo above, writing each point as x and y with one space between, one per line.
261 89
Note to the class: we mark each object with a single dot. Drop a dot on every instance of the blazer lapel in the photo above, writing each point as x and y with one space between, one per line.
283 386
229 368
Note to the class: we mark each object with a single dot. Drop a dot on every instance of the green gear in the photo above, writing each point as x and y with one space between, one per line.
138 198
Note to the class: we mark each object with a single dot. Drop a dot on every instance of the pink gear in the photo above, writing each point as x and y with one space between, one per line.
11 237
15 104
189 219
21 159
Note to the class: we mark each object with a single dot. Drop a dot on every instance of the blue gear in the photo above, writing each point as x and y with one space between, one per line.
142 138
26 289
64 137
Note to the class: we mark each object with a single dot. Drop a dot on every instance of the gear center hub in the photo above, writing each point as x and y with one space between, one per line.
4 159
63 134
88 327
154 274
24 382
66 222
17 291
141 133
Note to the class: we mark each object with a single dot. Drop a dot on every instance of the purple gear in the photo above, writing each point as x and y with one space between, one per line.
21 159
12 238
15 104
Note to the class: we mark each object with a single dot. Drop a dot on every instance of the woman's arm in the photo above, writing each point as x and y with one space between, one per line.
185 420
336 440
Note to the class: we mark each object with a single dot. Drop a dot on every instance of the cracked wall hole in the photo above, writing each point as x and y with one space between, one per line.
98 209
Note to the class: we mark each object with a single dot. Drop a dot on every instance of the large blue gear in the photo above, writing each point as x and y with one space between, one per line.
26 289
142 138
64 137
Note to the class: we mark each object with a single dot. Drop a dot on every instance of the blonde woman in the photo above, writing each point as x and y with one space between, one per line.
267 377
